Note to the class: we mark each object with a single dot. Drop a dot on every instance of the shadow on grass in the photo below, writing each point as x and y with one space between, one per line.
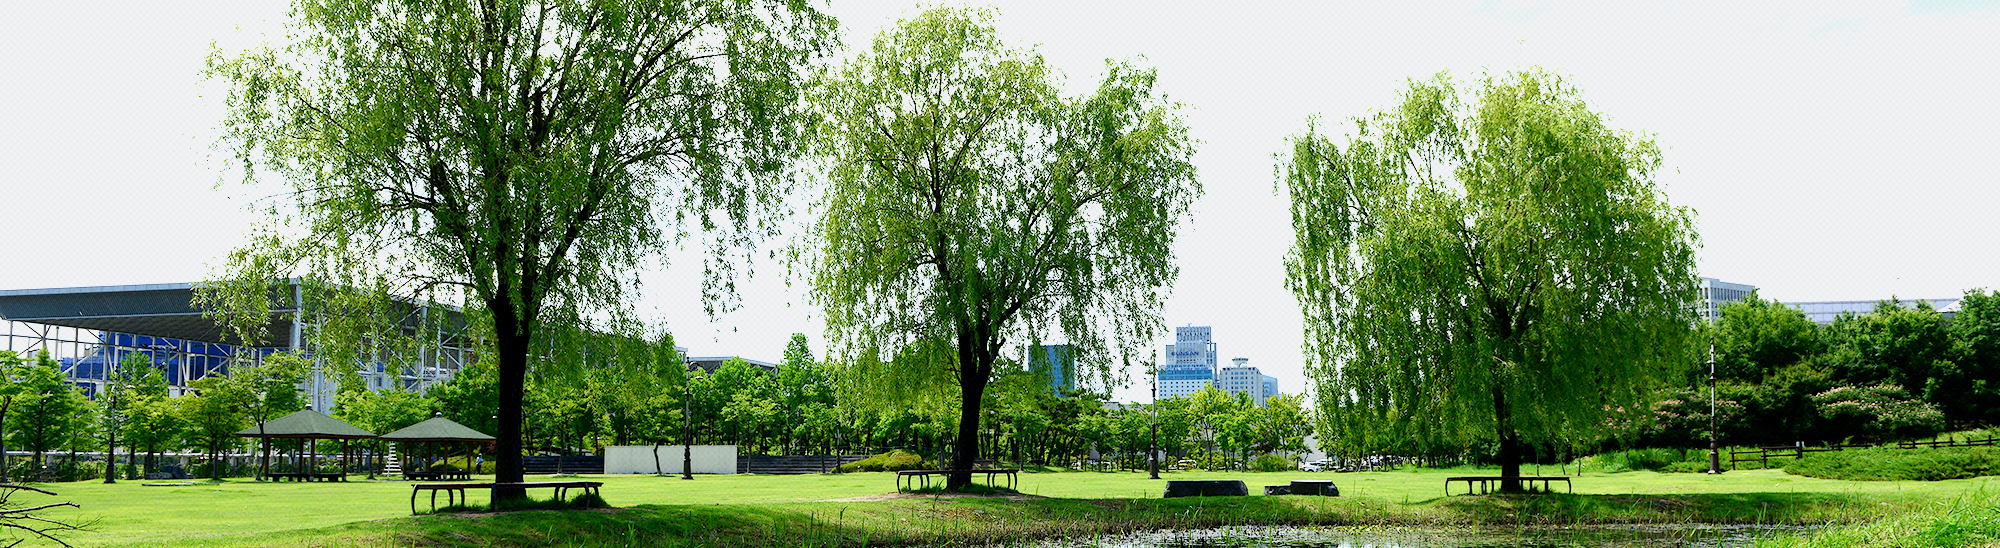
984 520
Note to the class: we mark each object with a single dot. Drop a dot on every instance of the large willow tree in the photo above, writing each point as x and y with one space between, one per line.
1500 272
522 156
967 201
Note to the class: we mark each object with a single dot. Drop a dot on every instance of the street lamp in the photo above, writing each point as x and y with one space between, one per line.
687 434
1153 449
1714 447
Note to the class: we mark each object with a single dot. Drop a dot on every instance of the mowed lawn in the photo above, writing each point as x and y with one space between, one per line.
128 513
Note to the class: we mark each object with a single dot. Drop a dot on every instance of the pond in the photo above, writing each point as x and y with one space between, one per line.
1621 536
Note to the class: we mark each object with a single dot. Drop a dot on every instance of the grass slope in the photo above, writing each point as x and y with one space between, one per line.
1894 464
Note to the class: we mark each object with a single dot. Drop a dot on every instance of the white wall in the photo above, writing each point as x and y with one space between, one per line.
638 459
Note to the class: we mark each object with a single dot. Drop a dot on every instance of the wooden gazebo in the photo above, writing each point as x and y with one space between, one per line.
311 426
437 430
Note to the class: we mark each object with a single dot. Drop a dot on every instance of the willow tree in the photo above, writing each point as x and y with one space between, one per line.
519 156
1501 272
967 201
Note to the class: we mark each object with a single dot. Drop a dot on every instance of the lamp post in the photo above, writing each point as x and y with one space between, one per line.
1153 448
687 434
1714 447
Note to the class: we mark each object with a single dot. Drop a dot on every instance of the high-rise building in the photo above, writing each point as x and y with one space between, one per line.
1058 361
1715 292
1190 364
1239 378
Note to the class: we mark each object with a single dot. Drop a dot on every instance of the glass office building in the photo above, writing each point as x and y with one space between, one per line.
1824 312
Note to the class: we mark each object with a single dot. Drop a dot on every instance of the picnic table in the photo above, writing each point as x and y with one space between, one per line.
904 478
455 492
441 475
1486 482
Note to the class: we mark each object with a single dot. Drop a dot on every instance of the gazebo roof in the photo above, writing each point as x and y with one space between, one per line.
306 424
437 429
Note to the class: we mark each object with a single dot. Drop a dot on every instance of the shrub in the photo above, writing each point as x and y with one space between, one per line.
1644 459
1273 463
892 461
1895 464
1881 412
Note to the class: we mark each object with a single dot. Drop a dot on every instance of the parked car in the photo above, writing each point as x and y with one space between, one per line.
1313 466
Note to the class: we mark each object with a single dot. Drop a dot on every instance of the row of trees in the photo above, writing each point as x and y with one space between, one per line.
1898 372
523 158
810 407
43 412
801 408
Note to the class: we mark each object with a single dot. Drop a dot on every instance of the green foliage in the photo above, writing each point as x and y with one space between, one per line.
1273 463
1893 345
519 157
44 415
381 411
1967 385
1896 464
1500 271
1630 460
471 397
966 200
1755 337
894 460
1878 413
1971 519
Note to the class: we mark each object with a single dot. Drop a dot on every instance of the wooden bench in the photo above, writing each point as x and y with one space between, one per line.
906 478
455 492
1486 482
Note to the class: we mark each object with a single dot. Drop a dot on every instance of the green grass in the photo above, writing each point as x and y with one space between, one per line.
1890 463
1971 519
802 510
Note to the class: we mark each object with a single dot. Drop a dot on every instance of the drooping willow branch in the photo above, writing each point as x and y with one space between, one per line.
24 519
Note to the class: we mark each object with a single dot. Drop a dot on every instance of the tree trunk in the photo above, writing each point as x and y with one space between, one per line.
1510 445
974 371
4 404
512 345
111 456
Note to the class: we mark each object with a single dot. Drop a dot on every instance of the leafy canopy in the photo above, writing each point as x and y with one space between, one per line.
966 201
965 197
1499 270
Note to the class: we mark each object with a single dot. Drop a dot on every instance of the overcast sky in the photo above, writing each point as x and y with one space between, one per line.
1833 151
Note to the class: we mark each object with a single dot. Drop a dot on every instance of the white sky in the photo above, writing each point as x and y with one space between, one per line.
1833 150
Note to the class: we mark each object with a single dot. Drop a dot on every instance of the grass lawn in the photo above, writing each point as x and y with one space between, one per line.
795 510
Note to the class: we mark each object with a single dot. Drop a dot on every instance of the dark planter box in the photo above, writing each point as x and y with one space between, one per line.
1207 488
1314 487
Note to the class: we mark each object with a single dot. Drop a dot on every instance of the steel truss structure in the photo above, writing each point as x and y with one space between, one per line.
89 330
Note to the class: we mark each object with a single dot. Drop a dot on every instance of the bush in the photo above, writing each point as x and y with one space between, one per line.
1665 460
892 461
1273 463
1895 464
